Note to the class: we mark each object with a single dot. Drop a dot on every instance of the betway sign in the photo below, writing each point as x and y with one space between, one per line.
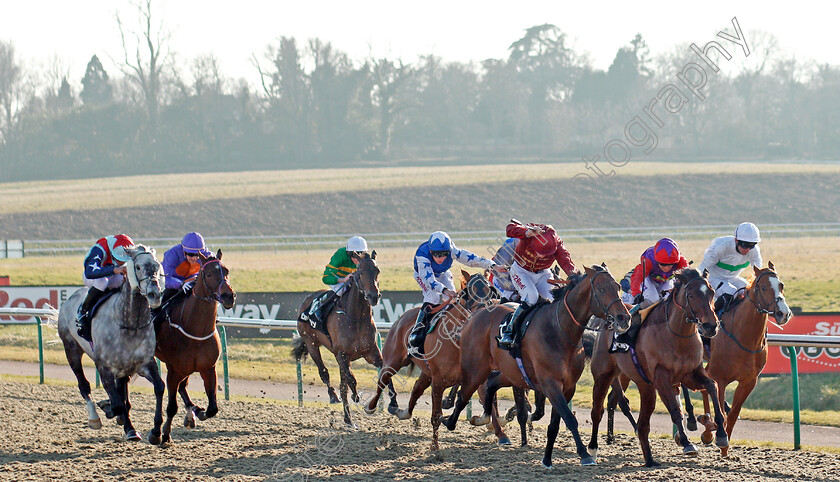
265 306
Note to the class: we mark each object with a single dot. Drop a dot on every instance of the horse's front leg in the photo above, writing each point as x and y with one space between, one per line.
663 381
314 351
122 387
151 373
700 379
173 380
210 386
691 420
344 369
374 357
420 386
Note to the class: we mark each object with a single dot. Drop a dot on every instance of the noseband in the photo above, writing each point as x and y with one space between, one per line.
140 281
690 316
215 293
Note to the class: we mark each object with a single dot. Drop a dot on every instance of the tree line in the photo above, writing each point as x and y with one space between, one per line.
313 106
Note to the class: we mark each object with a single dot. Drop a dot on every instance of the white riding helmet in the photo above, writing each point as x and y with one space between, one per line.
357 244
747 232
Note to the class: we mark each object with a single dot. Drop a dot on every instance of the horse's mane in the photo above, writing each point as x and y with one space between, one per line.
574 279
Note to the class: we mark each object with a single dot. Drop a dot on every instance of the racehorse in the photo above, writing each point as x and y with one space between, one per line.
187 341
351 333
552 356
742 353
440 364
667 352
123 341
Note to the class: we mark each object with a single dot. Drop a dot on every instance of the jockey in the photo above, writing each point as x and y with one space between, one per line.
181 264
104 269
501 281
537 250
653 276
431 271
336 274
726 257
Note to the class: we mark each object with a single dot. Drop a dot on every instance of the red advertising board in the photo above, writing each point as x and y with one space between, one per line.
809 360
32 297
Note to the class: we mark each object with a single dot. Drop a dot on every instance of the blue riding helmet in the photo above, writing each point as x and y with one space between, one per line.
439 241
193 243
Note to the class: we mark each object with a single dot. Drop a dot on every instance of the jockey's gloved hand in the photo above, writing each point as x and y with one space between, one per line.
187 286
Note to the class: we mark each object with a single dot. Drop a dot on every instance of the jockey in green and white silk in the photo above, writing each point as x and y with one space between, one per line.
728 256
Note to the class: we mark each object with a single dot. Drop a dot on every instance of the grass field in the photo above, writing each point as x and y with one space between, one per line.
812 282
116 192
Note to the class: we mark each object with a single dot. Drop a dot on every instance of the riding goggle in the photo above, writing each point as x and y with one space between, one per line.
440 254
667 265
746 244
191 255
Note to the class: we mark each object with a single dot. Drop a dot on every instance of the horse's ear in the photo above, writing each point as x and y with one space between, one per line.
588 270
464 278
755 270
770 265
604 265
706 273
373 254
219 254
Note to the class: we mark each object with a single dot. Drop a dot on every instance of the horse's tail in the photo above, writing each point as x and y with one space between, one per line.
51 319
299 348
588 342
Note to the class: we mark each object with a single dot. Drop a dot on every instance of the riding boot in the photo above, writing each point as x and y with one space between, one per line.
507 340
722 304
83 313
417 337
622 341
319 307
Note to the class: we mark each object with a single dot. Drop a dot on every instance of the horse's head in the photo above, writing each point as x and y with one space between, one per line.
475 291
605 300
695 296
144 273
768 294
214 281
366 278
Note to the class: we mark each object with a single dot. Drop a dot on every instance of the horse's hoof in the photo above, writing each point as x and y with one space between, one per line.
95 424
202 415
132 436
371 411
165 439
722 441
504 441
691 424
547 465
690 449
189 422
724 451
587 461
593 453
334 400
355 398
120 420
706 437
350 426
479 421
403 414
511 414
652 463
446 404
154 439
610 440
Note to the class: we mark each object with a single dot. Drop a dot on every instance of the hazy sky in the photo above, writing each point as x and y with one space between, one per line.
461 30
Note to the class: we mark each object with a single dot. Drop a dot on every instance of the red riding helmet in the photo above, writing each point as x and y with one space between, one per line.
666 251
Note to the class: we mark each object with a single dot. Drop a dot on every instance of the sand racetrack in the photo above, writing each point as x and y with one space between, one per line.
45 436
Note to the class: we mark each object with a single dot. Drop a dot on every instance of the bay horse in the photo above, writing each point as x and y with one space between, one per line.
187 340
352 333
668 352
552 354
741 354
123 341
440 366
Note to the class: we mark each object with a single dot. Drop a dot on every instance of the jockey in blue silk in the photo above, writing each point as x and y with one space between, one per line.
726 257
505 256
181 264
103 269
431 271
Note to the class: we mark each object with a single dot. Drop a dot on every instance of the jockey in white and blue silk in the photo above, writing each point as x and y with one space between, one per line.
505 256
103 269
727 256
431 271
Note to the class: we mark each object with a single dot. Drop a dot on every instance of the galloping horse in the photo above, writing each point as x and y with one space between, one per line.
352 334
440 366
742 353
188 342
123 341
667 352
552 356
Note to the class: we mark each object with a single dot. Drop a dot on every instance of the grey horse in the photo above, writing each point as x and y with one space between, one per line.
123 341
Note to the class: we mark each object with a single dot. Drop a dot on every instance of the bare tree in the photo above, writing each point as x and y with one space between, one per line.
10 78
145 55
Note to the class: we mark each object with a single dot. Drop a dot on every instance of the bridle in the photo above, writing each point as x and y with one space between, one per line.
690 316
593 298
762 308
215 294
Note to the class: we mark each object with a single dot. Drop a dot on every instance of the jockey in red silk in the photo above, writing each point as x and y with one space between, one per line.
181 263
653 276
539 247
103 269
